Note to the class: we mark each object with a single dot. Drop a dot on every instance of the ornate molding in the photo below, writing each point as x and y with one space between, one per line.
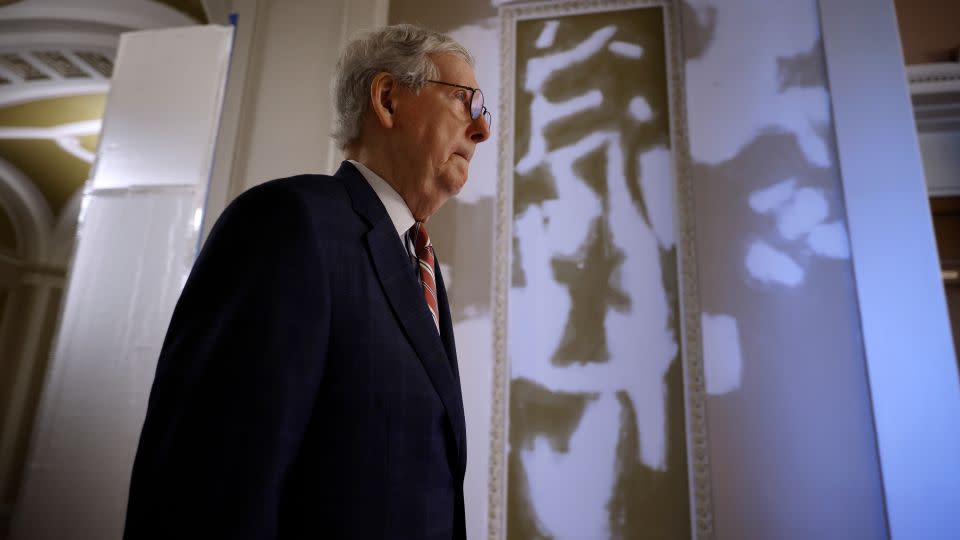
935 92
695 399
692 355
48 70
121 15
28 210
934 78
499 419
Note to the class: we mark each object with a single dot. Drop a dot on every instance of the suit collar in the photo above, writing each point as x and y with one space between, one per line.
446 330
362 197
396 207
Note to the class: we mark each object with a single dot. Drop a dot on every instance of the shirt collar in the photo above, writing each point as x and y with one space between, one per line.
397 209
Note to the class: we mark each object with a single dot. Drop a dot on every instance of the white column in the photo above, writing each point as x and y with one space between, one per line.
137 239
906 332
35 308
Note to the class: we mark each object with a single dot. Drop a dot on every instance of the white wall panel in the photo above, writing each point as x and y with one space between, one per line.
906 333
161 121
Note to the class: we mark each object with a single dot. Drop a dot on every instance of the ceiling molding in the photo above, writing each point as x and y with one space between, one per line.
934 78
73 38
60 131
28 210
71 145
63 57
124 14
53 49
50 89
45 70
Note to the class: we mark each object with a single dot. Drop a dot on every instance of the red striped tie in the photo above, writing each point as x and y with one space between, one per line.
425 260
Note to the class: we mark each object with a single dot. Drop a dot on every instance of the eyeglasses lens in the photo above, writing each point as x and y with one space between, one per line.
476 104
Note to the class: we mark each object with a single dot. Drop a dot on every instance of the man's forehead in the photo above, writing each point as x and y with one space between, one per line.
454 68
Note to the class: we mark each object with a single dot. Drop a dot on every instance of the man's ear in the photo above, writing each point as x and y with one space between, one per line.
383 98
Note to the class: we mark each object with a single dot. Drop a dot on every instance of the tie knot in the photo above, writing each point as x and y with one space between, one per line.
421 239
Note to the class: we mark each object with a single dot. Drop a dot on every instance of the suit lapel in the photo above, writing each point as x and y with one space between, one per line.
446 330
392 266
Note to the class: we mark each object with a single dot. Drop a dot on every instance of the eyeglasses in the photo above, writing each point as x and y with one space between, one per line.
476 102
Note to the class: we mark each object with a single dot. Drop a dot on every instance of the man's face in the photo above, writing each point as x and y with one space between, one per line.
435 137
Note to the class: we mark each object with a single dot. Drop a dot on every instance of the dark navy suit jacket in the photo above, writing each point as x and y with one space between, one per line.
303 390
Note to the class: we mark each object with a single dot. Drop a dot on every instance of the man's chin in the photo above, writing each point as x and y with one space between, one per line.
456 189
452 183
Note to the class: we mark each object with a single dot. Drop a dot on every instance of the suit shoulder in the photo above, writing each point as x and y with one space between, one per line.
294 209
314 193
303 185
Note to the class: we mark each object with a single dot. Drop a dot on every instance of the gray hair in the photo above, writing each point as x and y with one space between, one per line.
403 50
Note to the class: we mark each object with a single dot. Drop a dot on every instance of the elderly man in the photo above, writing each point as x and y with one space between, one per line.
308 384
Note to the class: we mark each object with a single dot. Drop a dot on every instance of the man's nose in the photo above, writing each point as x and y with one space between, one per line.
479 130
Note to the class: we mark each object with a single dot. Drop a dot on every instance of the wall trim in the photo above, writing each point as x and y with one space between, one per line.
935 92
935 78
28 211
236 121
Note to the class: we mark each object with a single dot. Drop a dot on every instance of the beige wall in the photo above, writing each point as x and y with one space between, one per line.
789 410
792 444
928 30
277 110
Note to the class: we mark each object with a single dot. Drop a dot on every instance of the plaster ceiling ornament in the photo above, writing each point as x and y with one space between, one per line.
56 60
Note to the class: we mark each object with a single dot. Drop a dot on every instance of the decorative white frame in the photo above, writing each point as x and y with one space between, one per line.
692 350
